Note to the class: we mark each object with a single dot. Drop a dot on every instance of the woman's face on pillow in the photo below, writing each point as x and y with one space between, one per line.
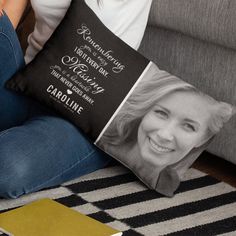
173 127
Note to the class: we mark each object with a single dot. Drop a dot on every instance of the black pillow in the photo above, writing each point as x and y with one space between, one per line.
116 96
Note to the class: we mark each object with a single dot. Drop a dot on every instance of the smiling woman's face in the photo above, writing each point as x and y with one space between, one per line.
174 126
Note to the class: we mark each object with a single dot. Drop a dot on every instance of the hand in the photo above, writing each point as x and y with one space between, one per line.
2 2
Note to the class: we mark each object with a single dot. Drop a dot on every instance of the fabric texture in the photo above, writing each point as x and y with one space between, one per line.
13 107
202 206
211 21
114 14
45 151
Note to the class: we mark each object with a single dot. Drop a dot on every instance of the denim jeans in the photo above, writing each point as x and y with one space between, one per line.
38 149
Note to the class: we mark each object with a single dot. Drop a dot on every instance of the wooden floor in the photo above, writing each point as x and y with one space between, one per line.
217 167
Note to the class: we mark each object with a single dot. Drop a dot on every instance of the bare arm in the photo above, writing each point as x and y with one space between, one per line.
14 9
1 7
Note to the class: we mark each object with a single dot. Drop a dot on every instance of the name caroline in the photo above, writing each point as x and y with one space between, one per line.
86 33
65 99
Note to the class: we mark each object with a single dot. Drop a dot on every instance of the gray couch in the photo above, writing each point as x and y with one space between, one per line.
196 40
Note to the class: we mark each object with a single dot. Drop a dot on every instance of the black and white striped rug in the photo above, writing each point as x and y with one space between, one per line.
202 205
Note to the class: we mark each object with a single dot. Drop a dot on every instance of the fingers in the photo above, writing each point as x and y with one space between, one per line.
2 2
1 7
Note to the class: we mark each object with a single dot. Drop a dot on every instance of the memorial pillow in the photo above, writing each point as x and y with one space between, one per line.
149 120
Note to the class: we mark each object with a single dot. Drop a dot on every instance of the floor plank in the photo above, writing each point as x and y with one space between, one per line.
217 167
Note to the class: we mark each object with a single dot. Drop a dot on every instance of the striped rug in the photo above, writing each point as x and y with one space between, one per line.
202 205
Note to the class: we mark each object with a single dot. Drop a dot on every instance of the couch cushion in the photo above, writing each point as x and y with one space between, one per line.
212 20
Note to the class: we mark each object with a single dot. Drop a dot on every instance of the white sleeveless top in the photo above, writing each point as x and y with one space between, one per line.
125 18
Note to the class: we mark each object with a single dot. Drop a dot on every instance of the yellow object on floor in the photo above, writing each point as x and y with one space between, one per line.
49 218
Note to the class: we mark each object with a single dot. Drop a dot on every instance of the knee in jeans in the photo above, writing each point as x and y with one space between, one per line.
13 179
